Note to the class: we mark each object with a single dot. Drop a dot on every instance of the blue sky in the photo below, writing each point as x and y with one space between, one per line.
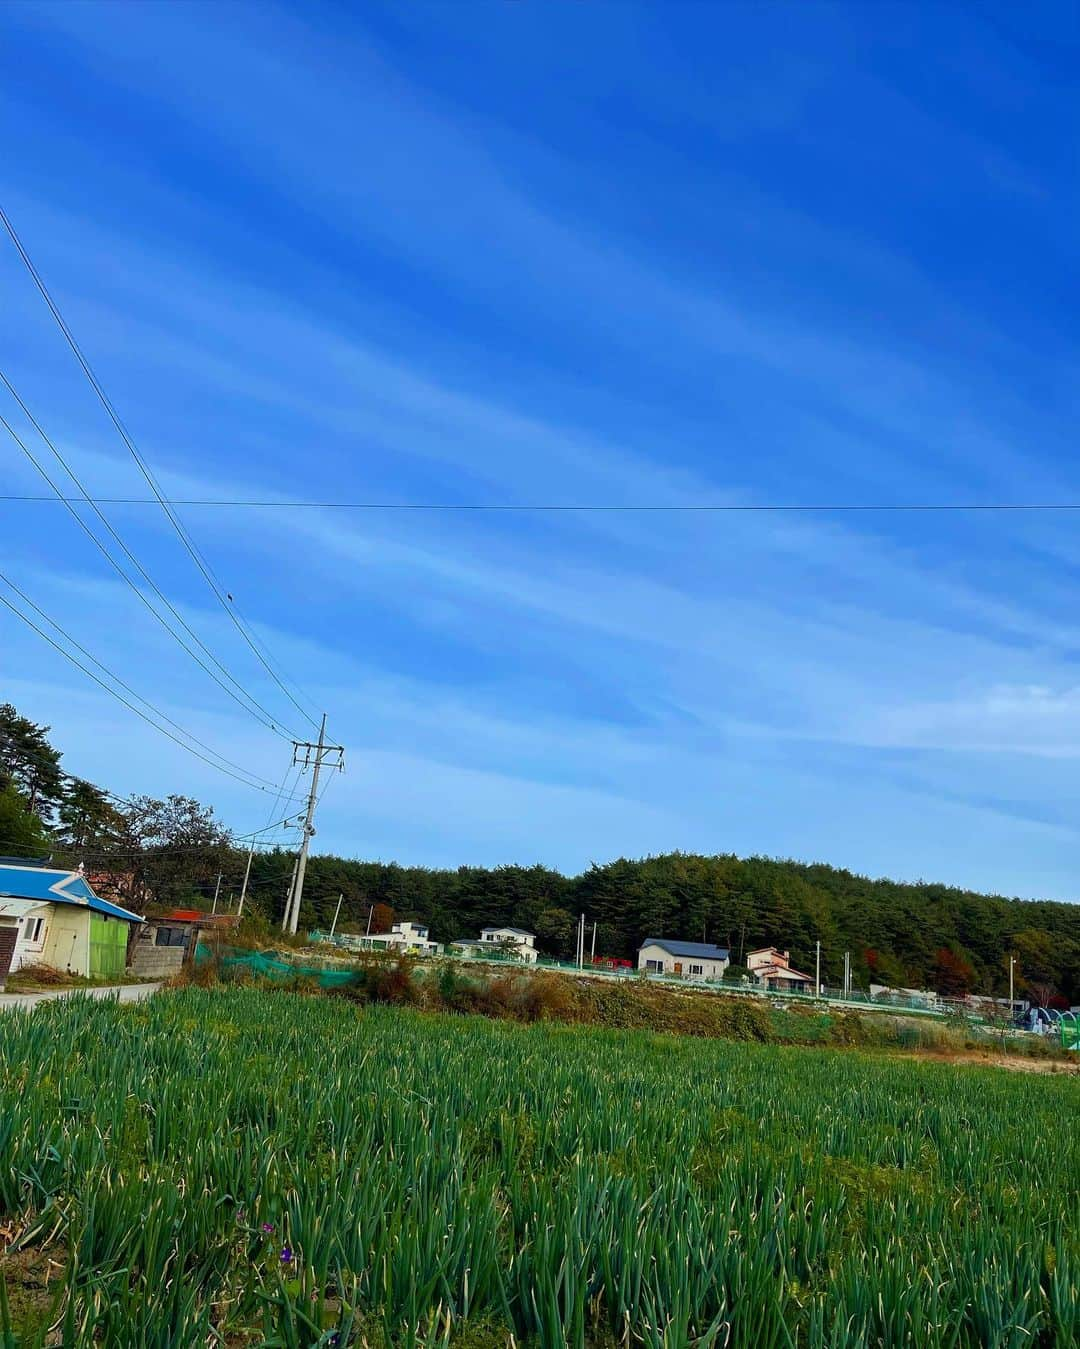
565 253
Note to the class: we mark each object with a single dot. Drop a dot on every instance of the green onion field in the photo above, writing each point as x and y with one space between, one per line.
249 1167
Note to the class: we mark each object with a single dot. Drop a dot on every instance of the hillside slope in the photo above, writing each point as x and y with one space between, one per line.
913 935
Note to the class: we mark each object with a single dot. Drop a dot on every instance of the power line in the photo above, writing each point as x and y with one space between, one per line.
258 712
629 508
136 805
144 468
106 853
246 780
252 705
122 683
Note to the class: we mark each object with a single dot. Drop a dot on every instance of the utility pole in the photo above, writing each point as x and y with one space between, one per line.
1012 962
243 888
288 894
217 891
817 969
594 943
333 925
314 755
581 942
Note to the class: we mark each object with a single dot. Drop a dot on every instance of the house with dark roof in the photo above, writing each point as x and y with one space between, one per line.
683 959
51 916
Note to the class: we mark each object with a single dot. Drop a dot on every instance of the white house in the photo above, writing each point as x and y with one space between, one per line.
500 941
772 968
50 916
403 937
684 959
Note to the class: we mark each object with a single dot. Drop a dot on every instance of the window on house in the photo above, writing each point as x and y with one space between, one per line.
33 929
697 969
654 966
170 936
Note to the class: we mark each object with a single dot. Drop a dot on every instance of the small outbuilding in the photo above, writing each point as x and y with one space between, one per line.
683 959
163 944
52 916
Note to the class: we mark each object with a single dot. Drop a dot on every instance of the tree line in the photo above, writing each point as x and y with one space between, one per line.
161 853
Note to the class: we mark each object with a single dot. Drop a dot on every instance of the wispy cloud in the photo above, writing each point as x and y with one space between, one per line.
349 278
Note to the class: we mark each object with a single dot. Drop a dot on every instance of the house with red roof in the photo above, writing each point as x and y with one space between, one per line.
772 969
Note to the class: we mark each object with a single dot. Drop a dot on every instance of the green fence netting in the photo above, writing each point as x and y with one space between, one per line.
269 965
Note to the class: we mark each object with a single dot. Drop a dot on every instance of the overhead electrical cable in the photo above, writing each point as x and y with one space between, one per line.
587 507
144 468
242 776
125 800
157 712
237 693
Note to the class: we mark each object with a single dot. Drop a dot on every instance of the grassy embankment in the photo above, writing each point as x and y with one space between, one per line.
637 1004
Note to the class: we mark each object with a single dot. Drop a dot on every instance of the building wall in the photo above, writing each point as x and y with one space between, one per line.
32 952
769 956
9 935
504 942
108 946
400 942
155 961
67 945
703 968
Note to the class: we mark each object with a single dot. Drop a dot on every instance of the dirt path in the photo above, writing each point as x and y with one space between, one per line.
122 992
1017 1063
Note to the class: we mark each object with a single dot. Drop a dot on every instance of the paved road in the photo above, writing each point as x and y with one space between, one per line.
122 992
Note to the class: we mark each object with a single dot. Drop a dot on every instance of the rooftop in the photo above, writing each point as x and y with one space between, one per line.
688 948
33 881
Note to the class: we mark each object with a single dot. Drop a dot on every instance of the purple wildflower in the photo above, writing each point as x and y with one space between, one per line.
286 1255
268 1227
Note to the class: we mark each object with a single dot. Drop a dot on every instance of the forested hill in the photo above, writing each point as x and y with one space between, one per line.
175 851
919 935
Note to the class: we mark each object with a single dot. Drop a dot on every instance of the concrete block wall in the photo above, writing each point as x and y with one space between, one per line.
156 962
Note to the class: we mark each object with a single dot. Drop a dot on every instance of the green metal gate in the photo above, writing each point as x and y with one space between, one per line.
108 947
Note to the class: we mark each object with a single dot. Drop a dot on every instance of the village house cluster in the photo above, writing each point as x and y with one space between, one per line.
767 968
54 917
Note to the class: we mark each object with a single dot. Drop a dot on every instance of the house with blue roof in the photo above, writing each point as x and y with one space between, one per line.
683 959
52 916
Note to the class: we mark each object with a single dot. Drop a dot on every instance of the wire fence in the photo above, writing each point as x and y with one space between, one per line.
925 1005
